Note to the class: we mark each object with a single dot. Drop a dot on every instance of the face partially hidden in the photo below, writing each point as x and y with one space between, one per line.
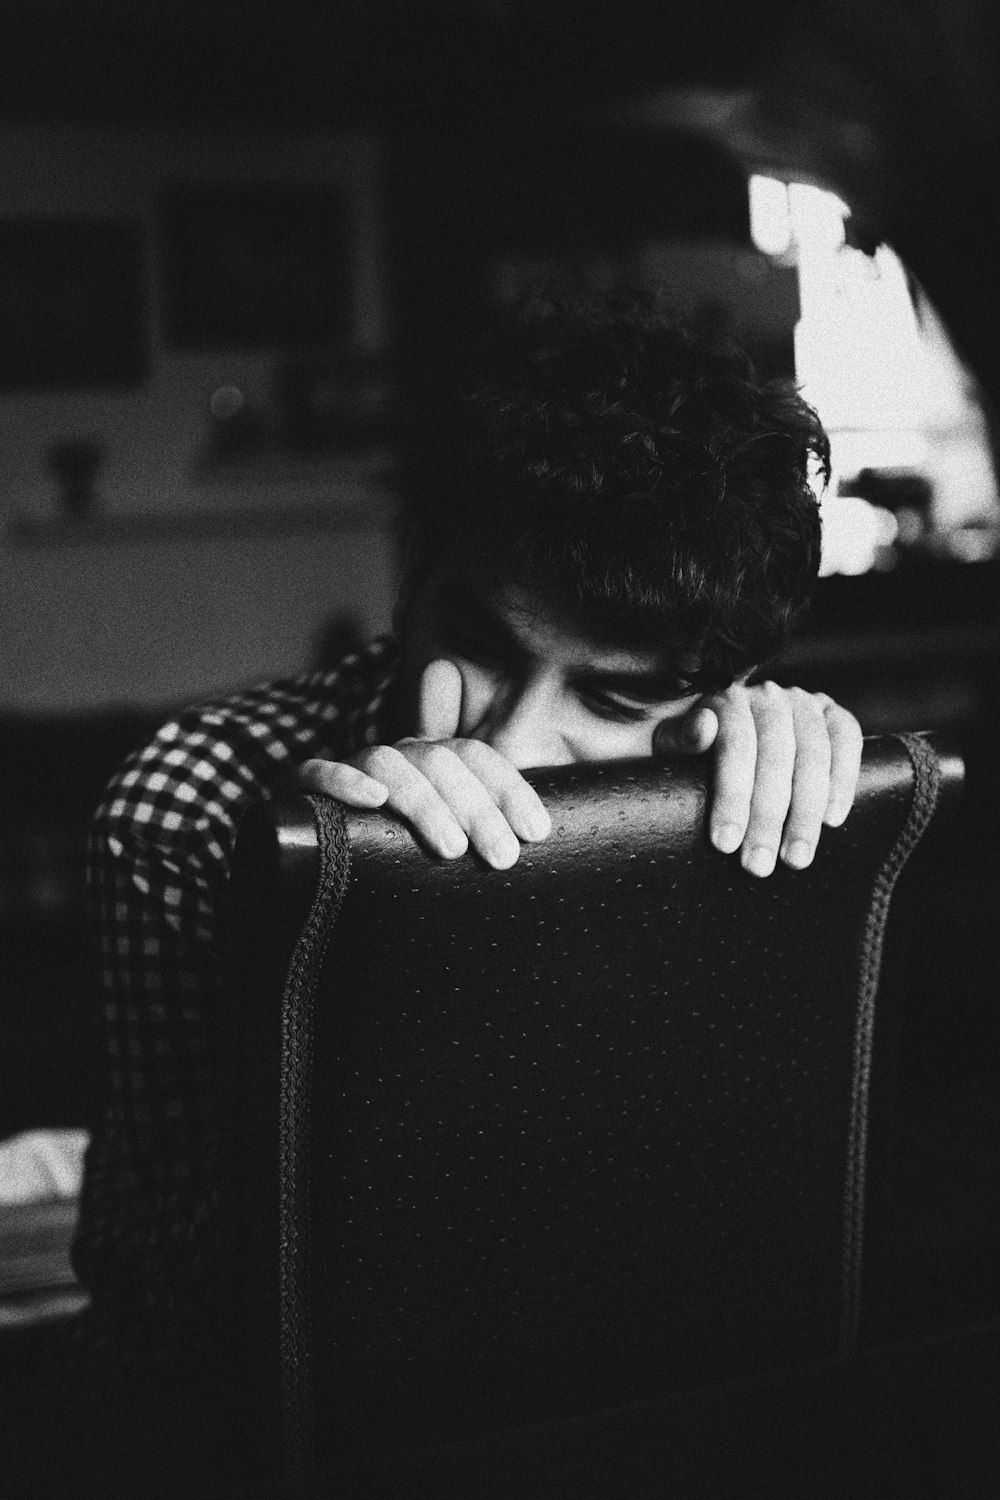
535 686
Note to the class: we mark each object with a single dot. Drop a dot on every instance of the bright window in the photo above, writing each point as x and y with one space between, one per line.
911 456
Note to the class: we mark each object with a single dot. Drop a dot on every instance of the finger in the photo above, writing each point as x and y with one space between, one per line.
439 708
332 778
772 789
691 733
846 744
516 798
735 766
412 796
810 783
470 802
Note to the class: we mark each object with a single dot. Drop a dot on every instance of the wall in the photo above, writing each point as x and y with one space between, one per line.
191 577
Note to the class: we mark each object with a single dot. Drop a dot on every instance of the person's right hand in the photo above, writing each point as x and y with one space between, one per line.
452 792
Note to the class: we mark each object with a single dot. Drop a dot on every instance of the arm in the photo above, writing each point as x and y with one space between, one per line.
150 1218
785 761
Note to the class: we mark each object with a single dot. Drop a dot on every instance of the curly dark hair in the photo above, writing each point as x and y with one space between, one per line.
643 479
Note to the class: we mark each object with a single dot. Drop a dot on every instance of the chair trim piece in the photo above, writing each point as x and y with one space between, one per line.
294 1269
926 788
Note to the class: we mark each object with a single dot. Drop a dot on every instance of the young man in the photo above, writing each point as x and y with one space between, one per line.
620 531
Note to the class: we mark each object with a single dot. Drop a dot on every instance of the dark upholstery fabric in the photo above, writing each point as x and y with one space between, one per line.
558 1138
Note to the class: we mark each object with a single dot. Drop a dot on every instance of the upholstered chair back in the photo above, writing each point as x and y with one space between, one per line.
517 1146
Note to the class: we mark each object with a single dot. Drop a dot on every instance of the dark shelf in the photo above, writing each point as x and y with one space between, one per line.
922 594
179 526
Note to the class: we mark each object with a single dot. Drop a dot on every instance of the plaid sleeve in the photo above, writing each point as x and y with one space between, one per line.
159 849
161 843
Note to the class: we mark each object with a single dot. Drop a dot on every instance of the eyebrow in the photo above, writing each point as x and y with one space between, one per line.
460 604
641 684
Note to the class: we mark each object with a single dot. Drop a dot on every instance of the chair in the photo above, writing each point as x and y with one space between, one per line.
519 1147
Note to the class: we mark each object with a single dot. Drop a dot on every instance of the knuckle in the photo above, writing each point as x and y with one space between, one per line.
522 800
738 732
813 747
846 737
503 783
379 761
437 759
776 749
812 768
418 802
486 821
807 704
768 811
768 697
480 758
736 713
490 766
836 711
737 766
732 804
773 708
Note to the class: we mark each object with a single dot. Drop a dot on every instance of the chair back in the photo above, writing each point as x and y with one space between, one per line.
518 1145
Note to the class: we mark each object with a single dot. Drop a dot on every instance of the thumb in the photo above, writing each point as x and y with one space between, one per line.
440 704
692 734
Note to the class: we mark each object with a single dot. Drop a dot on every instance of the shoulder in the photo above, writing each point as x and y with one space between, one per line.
204 764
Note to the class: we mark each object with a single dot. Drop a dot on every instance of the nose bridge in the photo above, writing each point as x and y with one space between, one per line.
522 725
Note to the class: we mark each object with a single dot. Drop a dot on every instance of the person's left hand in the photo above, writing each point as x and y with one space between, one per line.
786 762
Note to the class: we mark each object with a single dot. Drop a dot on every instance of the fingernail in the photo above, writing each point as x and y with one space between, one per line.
835 814
504 853
759 861
537 825
798 854
453 843
727 837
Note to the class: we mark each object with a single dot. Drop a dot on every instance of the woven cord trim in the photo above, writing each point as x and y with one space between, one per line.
926 786
295 1126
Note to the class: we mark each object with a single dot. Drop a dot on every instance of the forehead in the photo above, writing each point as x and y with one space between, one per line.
541 628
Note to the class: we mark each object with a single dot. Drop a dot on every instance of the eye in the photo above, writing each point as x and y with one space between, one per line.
613 709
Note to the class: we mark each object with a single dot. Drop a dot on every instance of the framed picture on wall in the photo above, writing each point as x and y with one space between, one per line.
72 303
255 265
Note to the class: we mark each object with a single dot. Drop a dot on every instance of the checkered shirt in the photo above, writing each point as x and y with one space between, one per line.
160 850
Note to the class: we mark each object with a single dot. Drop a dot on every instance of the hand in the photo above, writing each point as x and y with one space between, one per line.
786 762
452 792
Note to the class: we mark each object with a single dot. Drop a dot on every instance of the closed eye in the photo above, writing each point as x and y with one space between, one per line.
611 708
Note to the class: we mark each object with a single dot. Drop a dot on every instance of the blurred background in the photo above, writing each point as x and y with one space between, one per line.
241 243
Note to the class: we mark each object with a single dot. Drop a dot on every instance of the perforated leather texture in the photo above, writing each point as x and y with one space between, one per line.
580 1132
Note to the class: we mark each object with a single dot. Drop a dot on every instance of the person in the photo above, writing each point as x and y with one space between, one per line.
620 530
